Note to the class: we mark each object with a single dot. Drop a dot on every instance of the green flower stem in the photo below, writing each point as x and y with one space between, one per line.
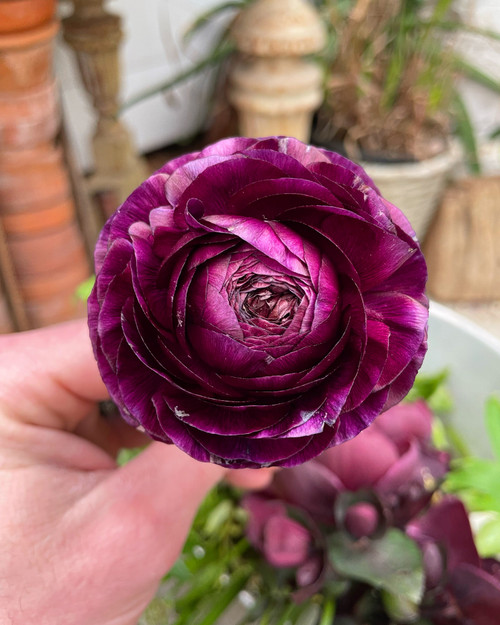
202 584
328 613
265 619
288 615
227 596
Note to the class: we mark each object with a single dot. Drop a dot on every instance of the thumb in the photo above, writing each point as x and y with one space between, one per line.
149 505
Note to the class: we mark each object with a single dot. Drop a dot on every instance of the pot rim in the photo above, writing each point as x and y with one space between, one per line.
28 38
442 162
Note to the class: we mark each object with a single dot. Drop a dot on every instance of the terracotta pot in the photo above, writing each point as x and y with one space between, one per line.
29 118
65 281
48 252
33 180
35 222
18 15
13 159
26 58
55 309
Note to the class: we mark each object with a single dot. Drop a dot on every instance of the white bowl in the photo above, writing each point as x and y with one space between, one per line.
472 356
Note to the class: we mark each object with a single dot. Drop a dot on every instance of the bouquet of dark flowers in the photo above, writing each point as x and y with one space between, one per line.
366 534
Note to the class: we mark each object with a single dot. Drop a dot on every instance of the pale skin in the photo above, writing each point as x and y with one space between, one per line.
81 540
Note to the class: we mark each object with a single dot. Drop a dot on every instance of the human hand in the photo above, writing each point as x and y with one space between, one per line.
82 541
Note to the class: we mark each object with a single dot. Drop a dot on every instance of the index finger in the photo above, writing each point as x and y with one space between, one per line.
49 377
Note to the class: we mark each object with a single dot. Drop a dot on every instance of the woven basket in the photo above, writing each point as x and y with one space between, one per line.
415 188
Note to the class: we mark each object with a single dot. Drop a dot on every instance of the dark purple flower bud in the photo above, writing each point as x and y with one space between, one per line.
311 487
362 461
286 542
403 473
309 573
361 519
447 524
409 484
257 302
283 541
260 509
434 564
406 422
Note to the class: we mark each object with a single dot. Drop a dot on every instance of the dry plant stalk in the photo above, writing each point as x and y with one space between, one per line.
369 106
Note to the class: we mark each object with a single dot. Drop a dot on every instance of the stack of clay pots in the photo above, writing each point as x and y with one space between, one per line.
37 212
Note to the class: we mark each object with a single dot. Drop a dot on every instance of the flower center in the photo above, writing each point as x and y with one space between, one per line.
267 298
275 303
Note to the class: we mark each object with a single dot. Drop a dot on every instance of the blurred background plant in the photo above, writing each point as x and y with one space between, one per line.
391 75
391 70
363 534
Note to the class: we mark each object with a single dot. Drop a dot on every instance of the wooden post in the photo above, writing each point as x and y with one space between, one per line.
95 36
273 88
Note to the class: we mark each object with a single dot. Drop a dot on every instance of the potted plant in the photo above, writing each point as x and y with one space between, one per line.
391 99
390 75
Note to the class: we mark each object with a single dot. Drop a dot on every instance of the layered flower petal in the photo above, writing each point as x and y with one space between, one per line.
257 302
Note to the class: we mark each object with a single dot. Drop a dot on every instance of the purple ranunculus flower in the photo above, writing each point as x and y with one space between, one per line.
257 302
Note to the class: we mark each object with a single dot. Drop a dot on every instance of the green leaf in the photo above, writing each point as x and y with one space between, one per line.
427 384
288 615
205 18
400 609
393 80
471 472
84 289
203 583
441 7
157 612
180 571
224 597
309 615
476 481
218 516
439 437
465 131
457 442
441 401
475 74
479 502
126 455
392 562
487 538
215 58
453 26
492 418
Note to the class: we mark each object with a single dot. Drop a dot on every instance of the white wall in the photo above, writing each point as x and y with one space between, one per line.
153 51
484 105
